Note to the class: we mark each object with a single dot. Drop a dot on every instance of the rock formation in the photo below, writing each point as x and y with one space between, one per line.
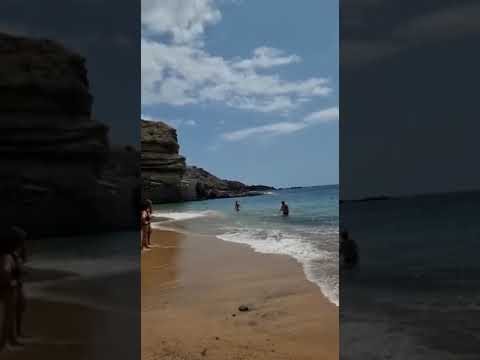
162 166
55 177
166 178
208 186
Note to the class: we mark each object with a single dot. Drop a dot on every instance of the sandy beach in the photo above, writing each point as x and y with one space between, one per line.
90 325
192 287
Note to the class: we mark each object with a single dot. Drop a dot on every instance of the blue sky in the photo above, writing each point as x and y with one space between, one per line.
251 86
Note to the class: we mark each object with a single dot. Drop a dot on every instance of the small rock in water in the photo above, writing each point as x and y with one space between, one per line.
234 315
204 352
243 308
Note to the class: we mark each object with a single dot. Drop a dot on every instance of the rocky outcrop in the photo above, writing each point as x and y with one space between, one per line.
55 176
166 178
198 184
162 166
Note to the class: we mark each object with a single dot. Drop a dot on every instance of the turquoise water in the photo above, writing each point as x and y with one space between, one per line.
309 234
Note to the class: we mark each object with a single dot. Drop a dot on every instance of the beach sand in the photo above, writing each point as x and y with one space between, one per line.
192 287
69 330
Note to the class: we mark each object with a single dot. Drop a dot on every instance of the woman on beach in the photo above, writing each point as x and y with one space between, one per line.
150 212
7 329
20 257
145 225
11 287
237 206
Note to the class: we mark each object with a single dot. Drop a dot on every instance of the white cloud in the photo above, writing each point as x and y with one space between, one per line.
285 127
179 71
184 20
190 122
265 57
322 116
176 123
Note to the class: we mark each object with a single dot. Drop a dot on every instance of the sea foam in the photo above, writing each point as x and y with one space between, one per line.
320 266
185 215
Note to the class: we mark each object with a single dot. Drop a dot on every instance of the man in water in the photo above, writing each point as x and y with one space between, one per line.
284 209
237 206
348 250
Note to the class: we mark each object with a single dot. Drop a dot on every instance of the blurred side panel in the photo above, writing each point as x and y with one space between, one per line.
69 180
409 180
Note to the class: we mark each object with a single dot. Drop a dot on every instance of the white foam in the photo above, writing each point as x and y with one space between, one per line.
185 215
312 259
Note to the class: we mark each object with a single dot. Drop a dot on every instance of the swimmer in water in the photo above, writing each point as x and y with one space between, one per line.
284 209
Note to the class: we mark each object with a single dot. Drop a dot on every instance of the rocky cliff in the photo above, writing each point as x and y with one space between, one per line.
166 178
208 186
55 177
162 166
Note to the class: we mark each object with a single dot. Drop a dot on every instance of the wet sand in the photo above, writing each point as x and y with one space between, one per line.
192 287
70 330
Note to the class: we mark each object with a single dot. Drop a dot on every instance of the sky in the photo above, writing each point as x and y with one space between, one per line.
409 97
251 86
110 44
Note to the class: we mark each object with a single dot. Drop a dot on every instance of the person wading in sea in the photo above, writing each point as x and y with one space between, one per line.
237 206
348 250
284 209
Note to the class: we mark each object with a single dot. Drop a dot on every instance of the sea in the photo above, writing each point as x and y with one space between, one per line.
415 293
309 234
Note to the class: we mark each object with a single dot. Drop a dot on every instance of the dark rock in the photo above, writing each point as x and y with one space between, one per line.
208 186
161 165
166 178
243 308
56 169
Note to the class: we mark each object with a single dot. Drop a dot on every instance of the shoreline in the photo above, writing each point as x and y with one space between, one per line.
191 279
161 227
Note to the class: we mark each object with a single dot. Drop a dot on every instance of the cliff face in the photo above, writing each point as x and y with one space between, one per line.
166 178
54 155
162 166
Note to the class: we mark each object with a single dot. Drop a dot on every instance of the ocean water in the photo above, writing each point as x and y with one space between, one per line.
309 235
416 291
